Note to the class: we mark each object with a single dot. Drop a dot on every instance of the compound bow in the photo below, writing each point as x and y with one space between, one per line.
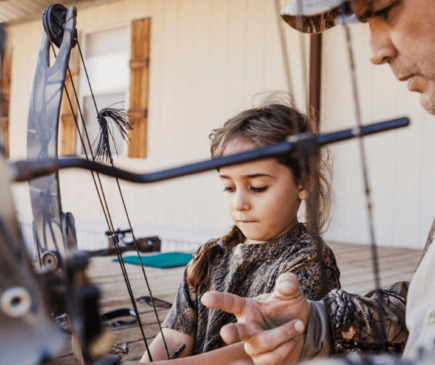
54 231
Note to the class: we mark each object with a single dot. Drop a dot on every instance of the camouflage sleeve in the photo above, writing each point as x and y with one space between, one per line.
424 357
358 326
360 359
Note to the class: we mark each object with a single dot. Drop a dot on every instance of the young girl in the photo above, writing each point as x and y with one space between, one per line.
263 199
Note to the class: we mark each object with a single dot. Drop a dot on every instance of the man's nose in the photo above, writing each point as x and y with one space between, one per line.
381 46
240 202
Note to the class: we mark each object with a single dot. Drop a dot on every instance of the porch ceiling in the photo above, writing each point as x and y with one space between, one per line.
19 11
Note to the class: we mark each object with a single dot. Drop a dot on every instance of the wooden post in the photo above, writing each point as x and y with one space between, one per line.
315 77
68 138
5 91
139 78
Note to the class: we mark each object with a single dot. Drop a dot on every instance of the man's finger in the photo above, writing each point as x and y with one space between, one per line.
287 284
236 332
284 354
227 302
270 340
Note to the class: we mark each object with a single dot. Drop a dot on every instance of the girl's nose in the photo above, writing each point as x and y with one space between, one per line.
240 202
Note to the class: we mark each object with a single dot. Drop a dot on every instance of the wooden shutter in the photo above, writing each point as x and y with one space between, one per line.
139 76
5 90
68 139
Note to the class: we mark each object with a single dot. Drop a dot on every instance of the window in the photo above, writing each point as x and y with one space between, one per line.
107 56
117 60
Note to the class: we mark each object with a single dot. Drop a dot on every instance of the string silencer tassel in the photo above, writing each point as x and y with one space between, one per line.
120 118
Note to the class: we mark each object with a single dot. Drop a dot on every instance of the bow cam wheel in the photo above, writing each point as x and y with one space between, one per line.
53 19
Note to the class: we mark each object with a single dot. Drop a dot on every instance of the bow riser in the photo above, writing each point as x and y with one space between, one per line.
24 314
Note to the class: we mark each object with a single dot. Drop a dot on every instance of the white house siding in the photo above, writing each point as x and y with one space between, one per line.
208 60
401 168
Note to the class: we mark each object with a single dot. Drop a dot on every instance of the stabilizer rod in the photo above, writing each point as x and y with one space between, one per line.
307 143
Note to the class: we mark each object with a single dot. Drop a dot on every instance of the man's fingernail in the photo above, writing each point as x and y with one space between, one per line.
288 283
299 326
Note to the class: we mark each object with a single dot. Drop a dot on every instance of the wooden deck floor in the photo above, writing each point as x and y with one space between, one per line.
356 277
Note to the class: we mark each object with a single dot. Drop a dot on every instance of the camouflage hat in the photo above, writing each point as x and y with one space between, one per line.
314 16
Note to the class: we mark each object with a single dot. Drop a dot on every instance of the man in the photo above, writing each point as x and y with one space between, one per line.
272 327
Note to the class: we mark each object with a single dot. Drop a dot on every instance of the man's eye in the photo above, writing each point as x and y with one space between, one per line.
259 190
386 12
229 189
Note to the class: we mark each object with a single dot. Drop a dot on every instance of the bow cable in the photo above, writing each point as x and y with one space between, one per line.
104 206
106 212
128 217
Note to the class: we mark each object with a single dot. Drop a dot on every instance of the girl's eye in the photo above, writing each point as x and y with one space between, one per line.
259 190
229 189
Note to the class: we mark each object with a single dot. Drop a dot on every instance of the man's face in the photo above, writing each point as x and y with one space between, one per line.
403 35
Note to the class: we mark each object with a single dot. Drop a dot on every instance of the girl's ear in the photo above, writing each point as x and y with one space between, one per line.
304 193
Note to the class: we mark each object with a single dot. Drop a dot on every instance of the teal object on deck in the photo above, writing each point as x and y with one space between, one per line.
161 260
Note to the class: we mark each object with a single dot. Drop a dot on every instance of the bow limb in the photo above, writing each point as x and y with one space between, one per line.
42 137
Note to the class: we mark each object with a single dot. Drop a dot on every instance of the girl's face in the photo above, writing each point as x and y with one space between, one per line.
261 197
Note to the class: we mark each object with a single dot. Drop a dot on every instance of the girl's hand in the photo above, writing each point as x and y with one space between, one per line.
271 325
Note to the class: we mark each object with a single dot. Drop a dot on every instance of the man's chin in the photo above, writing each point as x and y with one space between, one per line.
428 102
427 97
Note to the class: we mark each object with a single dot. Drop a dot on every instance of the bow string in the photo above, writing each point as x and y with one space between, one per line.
345 20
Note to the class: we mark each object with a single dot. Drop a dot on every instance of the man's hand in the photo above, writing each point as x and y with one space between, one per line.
271 325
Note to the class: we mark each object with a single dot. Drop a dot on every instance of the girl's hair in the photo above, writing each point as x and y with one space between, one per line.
270 123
